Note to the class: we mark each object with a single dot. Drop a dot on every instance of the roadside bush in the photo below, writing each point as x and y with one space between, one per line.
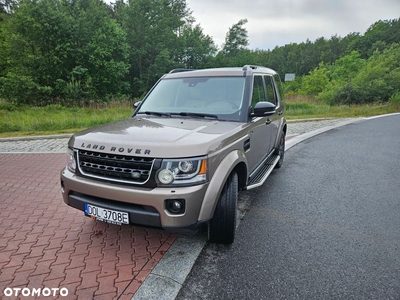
395 99
379 78
369 92
8 107
348 95
316 81
20 89
292 87
328 95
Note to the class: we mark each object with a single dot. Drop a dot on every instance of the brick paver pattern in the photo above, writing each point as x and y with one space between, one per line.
45 243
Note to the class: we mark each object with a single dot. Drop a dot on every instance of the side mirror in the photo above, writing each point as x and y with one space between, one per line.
264 109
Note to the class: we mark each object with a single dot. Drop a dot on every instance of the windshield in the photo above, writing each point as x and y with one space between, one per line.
220 97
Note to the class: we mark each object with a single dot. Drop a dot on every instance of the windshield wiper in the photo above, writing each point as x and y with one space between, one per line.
199 115
155 113
183 114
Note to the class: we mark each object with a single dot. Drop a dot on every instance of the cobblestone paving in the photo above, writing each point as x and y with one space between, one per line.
59 145
46 244
56 145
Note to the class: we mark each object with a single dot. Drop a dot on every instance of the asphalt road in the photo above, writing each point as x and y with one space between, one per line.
324 226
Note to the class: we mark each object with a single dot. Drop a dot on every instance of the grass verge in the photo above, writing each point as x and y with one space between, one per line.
57 119
305 110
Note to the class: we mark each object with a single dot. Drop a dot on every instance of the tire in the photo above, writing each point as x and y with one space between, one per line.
222 226
280 150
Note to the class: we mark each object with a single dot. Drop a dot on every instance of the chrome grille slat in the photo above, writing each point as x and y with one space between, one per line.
113 167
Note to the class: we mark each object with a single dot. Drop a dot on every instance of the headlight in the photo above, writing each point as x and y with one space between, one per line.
183 171
71 162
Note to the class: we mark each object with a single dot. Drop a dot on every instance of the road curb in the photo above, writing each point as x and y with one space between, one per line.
168 276
310 120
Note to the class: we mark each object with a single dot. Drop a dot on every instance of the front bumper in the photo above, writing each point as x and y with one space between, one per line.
145 206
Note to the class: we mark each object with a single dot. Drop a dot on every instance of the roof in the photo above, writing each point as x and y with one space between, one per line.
235 71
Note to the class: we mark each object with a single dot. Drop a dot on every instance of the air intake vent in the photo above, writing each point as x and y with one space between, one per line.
246 145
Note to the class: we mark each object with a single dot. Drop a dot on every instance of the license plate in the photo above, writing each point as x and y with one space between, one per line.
106 215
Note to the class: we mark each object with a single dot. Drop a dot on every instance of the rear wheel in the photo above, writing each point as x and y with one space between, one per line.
280 150
222 227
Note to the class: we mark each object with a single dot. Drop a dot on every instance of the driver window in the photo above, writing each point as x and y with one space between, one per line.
258 90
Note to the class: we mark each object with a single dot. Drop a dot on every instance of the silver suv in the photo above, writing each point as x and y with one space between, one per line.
197 139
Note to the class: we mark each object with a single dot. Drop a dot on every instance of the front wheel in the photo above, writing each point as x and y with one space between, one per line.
280 150
222 227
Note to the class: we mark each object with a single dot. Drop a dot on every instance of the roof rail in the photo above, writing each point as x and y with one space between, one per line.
250 66
246 67
180 70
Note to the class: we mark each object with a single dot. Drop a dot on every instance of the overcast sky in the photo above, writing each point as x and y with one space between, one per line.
278 22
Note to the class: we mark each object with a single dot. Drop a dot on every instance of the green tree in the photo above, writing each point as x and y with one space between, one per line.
197 48
379 78
33 45
54 47
107 54
236 38
340 75
346 67
316 81
378 36
100 48
153 28
354 80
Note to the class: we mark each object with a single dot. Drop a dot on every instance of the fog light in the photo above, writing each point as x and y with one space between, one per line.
165 176
175 206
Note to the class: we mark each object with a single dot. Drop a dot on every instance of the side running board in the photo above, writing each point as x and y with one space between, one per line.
263 172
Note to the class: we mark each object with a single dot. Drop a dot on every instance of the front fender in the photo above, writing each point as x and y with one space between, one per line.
217 183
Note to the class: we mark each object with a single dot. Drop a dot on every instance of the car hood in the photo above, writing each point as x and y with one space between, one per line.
158 137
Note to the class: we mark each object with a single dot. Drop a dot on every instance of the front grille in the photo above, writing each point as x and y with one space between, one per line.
119 168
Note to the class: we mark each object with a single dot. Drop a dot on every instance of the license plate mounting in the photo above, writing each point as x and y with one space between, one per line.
106 215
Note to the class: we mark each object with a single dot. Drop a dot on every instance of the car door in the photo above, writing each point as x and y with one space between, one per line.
272 96
259 128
